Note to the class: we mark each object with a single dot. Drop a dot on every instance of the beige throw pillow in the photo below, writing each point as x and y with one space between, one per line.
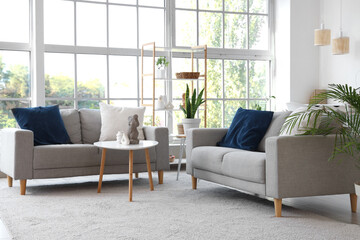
114 119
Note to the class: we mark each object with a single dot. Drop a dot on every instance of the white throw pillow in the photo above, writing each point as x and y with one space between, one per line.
114 119
303 126
292 106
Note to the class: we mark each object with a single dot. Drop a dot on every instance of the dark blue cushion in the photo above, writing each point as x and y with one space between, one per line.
45 122
247 129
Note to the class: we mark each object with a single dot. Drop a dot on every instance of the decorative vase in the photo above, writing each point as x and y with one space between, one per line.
160 73
357 188
191 123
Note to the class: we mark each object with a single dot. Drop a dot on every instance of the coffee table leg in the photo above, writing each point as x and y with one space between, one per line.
149 168
131 156
102 166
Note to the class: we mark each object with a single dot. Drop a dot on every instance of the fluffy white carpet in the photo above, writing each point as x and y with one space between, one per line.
71 209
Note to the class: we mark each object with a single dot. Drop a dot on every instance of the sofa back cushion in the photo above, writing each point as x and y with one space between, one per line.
71 121
90 125
274 128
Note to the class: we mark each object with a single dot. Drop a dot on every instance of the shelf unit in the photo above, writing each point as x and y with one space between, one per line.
153 49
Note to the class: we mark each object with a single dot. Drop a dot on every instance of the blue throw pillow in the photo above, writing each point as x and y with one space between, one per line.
247 129
45 122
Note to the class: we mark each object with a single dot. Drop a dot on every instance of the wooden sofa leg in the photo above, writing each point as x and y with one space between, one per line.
277 205
161 176
194 182
10 181
22 187
353 202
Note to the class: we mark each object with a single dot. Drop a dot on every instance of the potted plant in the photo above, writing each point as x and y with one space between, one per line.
161 65
347 122
191 106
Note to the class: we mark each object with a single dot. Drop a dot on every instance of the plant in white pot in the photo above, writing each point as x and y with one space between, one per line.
191 106
161 65
347 122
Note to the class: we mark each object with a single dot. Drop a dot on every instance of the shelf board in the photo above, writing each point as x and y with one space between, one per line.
176 161
184 50
179 79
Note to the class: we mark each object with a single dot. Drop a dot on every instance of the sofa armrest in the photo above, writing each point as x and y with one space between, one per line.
197 137
160 134
16 149
298 166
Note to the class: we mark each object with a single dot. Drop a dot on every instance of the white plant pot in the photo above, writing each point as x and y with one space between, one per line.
191 123
160 73
357 188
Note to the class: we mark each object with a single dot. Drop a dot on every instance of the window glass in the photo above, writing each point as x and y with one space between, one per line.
258 79
186 28
151 27
191 4
15 12
210 4
7 119
59 75
259 32
236 6
122 27
122 77
59 22
235 31
258 6
210 25
91 24
154 3
14 74
91 76
235 78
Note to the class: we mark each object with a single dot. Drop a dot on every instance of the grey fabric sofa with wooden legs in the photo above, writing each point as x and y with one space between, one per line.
20 160
283 166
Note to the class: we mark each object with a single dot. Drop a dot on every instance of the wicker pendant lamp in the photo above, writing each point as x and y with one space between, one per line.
322 36
341 44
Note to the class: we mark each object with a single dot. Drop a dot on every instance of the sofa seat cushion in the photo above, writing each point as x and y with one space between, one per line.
245 165
66 156
209 158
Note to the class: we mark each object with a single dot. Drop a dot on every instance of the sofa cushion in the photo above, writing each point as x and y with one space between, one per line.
245 165
90 125
247 129
274 128
45 122
66 156
115 119
71 121
209 158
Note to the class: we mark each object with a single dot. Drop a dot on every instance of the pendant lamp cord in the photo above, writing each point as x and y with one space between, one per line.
341 18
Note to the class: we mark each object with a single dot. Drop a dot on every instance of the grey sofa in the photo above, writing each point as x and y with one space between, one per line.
19 159
283 166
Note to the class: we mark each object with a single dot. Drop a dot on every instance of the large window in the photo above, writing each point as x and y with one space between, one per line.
15 83
88 51
92 49
237 33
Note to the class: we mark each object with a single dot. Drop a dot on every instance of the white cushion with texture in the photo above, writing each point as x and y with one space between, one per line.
114 119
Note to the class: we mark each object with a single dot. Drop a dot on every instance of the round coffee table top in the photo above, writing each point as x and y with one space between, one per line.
117 146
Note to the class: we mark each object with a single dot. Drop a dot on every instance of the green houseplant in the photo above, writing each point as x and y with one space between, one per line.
190 107
161 65
345 124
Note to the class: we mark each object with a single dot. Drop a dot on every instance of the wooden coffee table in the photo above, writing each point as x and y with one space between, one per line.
114 145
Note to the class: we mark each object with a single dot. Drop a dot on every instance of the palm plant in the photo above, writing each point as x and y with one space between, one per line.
193 103
347 123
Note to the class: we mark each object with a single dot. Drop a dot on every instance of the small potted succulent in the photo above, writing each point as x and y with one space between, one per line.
190 107
161 65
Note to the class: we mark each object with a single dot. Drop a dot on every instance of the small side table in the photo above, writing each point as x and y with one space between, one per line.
182 138
145 144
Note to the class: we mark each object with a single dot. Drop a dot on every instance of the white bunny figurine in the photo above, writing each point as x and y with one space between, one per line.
125 139
119 136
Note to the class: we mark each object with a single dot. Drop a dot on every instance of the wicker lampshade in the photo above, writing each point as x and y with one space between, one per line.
322 37
340 45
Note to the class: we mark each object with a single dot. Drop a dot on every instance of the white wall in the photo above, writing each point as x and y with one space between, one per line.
341 68
297 59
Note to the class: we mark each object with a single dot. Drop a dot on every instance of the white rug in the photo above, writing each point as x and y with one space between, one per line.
71 209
